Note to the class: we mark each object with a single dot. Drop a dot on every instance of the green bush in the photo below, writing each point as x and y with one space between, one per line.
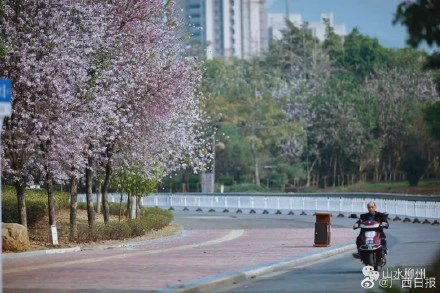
87 234
9 210
156 222
138 227
36 210
151 219
114 208
117 230
62 201
81 206
156 211
414 165
36 204
101 231
155 218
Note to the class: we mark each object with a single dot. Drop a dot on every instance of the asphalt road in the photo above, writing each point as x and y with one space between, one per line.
413 247
158 264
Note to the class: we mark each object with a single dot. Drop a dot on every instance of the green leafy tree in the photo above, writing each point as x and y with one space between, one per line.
431 115
432 118
251 98
136 184
293 54
414 165
362 55
336 131
304 64
232 160
422 19
333 44
398 95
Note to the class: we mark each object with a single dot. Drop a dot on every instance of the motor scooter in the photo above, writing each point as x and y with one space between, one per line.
371 252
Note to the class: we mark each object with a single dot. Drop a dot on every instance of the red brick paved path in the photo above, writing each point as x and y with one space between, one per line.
161 264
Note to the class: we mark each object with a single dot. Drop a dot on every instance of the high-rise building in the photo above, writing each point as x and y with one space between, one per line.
194 14
241 28
228 28
277 22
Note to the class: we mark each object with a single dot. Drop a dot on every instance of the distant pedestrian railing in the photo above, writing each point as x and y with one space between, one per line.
398 205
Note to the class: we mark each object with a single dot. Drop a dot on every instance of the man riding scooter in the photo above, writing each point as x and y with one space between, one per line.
373 215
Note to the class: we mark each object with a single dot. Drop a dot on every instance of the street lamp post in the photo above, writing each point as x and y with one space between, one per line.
5 110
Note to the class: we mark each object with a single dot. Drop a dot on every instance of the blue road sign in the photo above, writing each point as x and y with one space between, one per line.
5 90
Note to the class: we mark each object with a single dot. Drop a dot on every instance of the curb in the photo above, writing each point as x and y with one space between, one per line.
229 278
182 233
40 252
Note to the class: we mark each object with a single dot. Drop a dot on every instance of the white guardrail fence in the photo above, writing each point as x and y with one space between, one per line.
394 205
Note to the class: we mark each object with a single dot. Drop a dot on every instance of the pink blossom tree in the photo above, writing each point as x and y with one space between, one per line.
97 82
45 43
150 92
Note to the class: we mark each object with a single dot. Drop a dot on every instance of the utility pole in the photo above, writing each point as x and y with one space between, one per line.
287 9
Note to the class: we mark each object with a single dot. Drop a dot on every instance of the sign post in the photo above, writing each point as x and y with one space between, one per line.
5 110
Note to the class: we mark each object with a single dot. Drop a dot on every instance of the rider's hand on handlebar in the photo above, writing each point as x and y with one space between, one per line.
384 224
356 225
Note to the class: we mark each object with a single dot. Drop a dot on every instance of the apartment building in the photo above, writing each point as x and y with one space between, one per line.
241 28
277 22
228 28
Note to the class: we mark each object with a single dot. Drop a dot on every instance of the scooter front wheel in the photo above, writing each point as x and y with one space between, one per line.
371 261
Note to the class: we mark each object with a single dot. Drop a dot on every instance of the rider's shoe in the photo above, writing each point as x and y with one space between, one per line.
356 255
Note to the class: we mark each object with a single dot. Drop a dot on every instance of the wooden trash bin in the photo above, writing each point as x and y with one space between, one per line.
322 229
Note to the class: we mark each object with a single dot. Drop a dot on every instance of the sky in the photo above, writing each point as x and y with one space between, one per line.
374 18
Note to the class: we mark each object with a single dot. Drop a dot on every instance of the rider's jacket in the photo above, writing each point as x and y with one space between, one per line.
378 217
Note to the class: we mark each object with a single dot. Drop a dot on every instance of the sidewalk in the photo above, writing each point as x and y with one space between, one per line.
193 262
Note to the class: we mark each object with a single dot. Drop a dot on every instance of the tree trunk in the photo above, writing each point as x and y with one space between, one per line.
21 202
334 172
376 172
341 170
106 185
254 154
73 207
89 194
50 198
309 171
138 206
120 207
130 206
108 174
98 196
